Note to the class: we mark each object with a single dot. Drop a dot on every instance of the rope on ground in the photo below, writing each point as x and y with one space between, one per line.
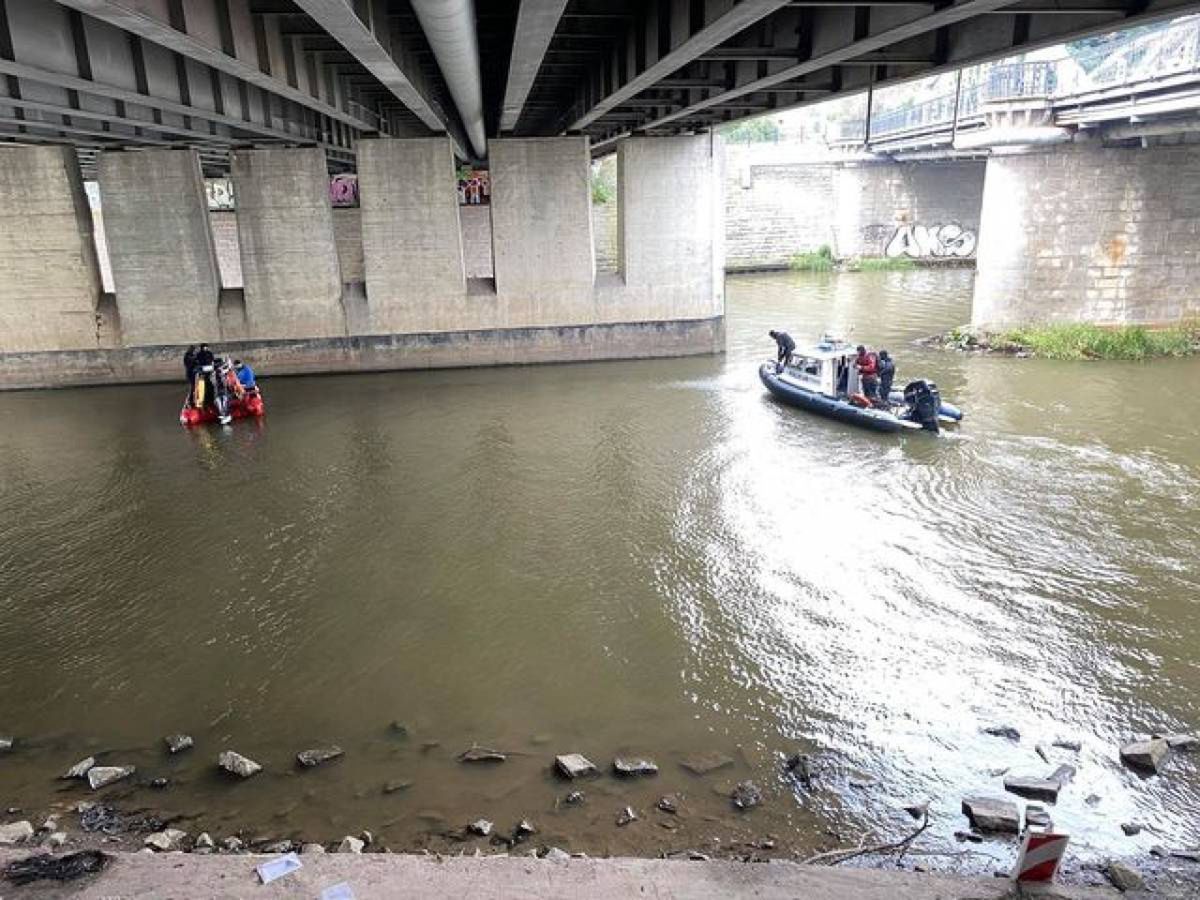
836 857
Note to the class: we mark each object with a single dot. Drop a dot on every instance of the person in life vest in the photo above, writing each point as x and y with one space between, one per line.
868 372
786 347
189 368
245 376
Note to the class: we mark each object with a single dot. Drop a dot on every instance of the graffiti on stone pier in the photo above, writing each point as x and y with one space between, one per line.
220 193
343 190
931 241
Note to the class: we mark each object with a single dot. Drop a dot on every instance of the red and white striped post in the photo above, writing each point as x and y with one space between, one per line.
1041 854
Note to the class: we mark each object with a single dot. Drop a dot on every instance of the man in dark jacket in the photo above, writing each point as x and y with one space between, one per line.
786 346
887 374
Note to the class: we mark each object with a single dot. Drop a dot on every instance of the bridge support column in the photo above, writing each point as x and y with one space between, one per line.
412 241
49 277
671 226
160 246
290 270
541 221
1085 233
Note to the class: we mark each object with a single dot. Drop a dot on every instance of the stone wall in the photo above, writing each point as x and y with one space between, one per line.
919 210
1127 255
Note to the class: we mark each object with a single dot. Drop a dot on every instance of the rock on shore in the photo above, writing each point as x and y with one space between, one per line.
988 814
239 765
574 765
177 743
312 758
627 766
15 833
166 840
1033 788
102 776
1145 756
705 762
80 769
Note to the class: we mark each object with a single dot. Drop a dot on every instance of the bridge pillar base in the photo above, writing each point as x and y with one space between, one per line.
1086 233
160 246
49 278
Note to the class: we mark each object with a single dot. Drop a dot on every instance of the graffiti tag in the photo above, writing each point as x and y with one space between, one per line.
220 193
924 241
343 190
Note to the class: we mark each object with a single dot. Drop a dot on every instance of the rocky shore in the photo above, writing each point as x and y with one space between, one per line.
1021 800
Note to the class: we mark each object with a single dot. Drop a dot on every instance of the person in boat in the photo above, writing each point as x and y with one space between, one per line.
887 374
189 368
245 376
786 347
202 369
868 372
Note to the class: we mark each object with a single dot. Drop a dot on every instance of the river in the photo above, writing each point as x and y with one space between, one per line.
644 557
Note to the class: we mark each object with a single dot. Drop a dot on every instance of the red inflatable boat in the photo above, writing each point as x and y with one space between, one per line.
248 406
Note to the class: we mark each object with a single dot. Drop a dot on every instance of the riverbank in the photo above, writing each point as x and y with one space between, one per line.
1073 341
135 875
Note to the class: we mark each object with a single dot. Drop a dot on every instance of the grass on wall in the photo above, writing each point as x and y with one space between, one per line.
882 264
819 261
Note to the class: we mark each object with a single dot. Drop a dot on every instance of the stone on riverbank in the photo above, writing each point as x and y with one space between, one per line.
1145 756
350 845
1184 742
177 743
669 804
626 816
1131 828
309 849
481 827
204 843
1036 816
15 833
1062 775
918 810
746 795
166 840
574 765
627 766
1002 731
481 755
557 854
236 764
800 765
392 787
54 840
6 744
1033 788
310 759
574 798
102 776
989 814
705 762
80 769
233 844
1124 878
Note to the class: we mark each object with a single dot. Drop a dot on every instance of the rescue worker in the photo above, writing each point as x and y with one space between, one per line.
189 368
786 347
245 375
887 374
868 372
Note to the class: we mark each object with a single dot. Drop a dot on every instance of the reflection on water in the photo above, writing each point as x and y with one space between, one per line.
649 557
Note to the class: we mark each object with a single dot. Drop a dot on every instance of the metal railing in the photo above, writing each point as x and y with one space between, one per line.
1142 55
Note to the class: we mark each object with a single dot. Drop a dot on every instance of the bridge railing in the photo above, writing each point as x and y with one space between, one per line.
1141 56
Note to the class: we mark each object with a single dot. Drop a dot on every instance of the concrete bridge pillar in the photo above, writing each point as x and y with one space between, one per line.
541 220
412 240
290 270
160 246
49 277
1086 233
671 225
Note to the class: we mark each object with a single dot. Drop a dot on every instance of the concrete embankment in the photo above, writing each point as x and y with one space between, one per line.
138 875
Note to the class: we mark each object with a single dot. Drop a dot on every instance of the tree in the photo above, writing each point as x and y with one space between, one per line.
752 131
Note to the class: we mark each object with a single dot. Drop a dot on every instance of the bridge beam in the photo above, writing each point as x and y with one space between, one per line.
537 21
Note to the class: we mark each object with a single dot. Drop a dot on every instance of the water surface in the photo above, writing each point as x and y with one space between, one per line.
645 557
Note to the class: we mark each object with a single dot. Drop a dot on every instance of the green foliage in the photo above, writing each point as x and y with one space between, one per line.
603 190
752 131
819 261
1079 341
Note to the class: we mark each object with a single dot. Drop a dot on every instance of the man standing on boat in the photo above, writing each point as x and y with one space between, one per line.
868 372
887 374
786 346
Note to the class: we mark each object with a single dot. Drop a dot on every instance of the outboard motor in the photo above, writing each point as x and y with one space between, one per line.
924 403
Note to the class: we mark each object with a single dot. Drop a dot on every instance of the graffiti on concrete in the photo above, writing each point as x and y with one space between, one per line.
343 190
931 241
220 193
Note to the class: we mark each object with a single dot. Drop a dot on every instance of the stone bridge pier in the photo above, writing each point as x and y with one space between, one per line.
1082 232
393 295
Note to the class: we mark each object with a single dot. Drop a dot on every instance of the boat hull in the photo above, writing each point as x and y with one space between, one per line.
249 406
873 419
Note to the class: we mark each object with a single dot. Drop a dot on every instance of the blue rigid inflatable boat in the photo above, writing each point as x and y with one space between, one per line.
823 379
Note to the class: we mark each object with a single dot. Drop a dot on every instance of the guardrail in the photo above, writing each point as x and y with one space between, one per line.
1143 55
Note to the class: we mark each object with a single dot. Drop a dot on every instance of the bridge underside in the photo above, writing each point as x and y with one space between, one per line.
218 74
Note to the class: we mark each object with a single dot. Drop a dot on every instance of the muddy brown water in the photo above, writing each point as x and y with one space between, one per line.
646 557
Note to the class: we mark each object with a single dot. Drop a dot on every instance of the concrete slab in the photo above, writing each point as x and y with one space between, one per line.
371 876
